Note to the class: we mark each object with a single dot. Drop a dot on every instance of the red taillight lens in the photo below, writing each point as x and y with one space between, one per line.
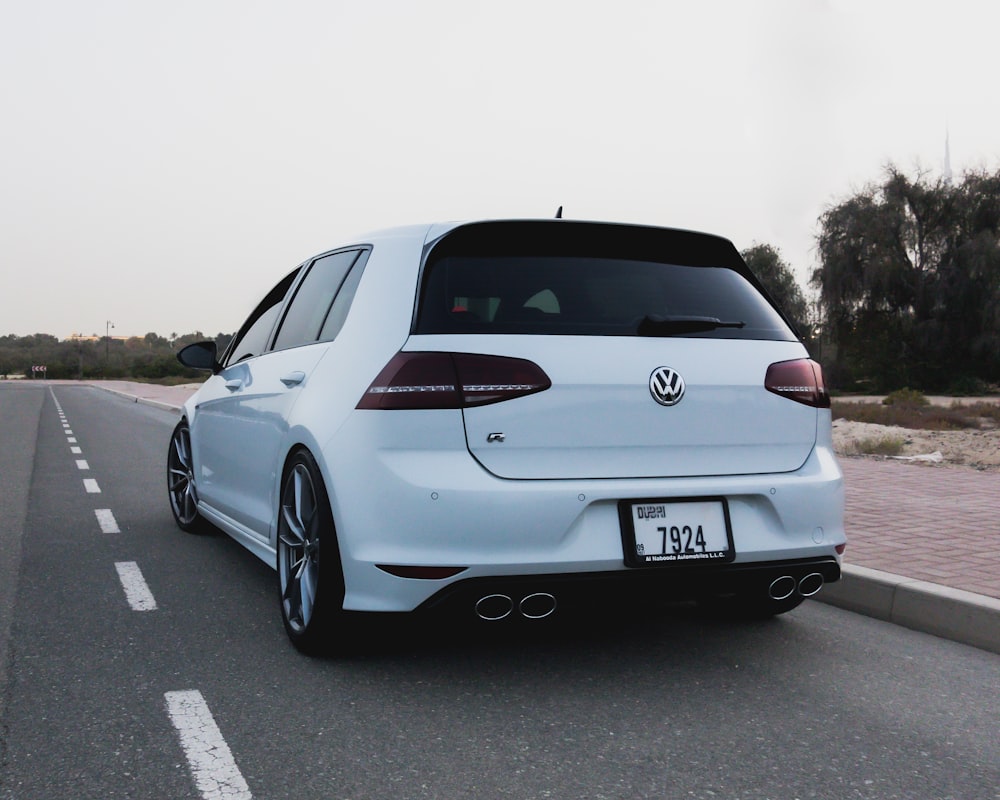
414 380
800 380
452 380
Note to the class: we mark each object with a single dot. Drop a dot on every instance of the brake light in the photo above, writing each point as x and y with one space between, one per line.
452 380
800 380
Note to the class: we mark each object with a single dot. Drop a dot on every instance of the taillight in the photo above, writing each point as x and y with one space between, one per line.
800 380
452 380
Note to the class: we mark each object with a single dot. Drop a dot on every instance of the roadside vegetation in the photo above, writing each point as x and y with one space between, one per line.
907 408
876 446
145 358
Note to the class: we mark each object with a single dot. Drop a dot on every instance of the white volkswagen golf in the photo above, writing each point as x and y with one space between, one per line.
509 418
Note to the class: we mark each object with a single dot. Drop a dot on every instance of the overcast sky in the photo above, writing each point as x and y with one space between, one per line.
163 164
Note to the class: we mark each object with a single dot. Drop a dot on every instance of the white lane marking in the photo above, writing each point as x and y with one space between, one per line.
136 591
82 464
215 772
107 520
76 450
90 484
68 432
71 440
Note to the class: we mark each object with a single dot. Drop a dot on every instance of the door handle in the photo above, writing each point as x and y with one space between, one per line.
234 385
293 378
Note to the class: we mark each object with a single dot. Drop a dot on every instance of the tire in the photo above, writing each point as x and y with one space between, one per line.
310 576
181 488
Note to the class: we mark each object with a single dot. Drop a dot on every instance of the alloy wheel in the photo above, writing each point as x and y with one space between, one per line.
299 548
180 479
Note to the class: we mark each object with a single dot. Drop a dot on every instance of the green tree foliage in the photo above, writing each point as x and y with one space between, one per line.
150 357
909 283
771 270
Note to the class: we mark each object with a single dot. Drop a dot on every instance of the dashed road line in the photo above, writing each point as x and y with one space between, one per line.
209 757
90 484
82 464
76 451
107 520
136 591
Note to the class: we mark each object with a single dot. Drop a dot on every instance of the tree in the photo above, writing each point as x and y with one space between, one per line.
150 356
771 270
909 282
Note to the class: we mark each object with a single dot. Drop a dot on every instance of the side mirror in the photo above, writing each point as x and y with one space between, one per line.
200 355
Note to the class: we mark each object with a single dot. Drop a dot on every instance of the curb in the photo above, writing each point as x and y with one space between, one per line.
165 406
961 616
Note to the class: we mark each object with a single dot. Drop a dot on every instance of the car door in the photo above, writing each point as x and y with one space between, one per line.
243 428
219 455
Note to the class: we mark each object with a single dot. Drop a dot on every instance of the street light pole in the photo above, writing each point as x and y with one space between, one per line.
107 341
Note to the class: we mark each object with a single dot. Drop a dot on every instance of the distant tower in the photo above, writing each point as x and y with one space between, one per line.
947 159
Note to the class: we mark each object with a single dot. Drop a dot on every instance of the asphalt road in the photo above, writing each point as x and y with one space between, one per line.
190 690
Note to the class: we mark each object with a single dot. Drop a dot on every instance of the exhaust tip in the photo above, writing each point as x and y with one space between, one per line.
810 584
782 588
494 607
537 606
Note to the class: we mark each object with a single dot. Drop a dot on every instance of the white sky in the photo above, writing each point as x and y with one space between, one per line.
163 164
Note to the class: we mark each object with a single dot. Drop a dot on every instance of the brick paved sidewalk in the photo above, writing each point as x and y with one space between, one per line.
931 523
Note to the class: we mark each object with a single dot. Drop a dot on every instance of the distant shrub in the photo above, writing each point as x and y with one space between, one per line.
967 386
877 446
905 397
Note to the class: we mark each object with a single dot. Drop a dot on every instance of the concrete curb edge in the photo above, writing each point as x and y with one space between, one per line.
146 401
954 614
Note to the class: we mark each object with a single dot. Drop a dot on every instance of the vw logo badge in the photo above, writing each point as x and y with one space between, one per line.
666 386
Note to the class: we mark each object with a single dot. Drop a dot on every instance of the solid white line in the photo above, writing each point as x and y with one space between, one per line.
136 591
215 772
107 520
82 464
90 484
76 450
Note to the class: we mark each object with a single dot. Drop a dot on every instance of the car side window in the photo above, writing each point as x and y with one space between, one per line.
310 307
342 302
253 336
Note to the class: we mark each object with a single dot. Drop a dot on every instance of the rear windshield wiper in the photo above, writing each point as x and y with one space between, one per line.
672 326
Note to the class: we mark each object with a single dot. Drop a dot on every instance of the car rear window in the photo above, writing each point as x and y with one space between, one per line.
591 280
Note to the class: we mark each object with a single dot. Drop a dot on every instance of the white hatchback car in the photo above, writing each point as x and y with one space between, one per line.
510 417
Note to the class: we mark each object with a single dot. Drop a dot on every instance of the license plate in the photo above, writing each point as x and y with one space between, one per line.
671 532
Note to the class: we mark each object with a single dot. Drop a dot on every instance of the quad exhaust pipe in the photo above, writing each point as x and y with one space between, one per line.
784 587
495 607
539 605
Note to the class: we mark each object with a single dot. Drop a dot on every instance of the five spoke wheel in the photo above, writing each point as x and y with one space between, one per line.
180 480
309 572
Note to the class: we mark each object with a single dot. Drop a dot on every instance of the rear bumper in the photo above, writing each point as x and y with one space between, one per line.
436 507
